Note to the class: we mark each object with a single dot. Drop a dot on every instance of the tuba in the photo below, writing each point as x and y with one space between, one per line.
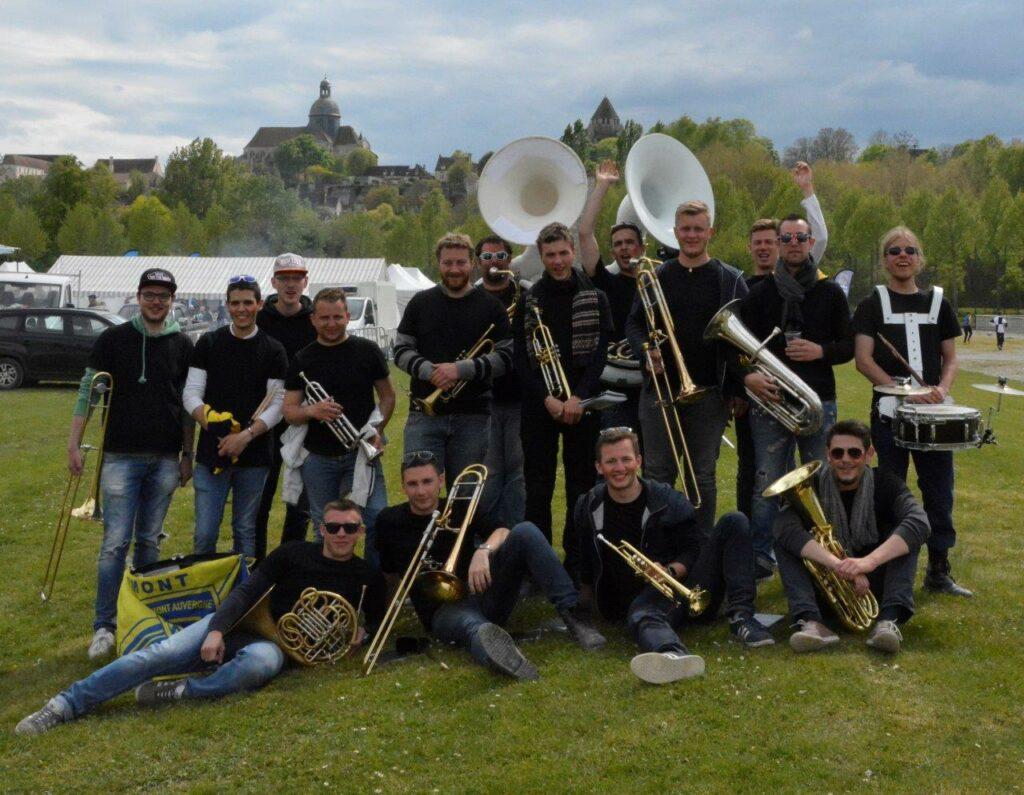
668 586
101 389
320 628
799 410
481 347
341 426
856 612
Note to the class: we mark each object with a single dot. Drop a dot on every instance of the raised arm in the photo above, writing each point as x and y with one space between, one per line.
590 251
803 176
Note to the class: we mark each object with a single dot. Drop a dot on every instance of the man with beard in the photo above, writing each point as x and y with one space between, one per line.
439 326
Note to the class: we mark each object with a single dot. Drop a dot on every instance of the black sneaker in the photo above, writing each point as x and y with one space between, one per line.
504 655
53 713
577 621
152 694
938 579
749 631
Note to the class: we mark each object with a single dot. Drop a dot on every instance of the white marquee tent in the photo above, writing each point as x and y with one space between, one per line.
408 281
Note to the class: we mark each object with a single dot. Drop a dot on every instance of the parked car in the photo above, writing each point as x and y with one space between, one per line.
48 344
193 326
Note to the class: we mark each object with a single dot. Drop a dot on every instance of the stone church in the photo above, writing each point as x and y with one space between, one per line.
324 125
604 123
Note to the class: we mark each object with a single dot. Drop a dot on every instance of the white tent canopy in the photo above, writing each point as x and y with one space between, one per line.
408 281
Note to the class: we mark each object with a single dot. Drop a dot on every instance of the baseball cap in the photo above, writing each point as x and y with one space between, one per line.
157 277
289 263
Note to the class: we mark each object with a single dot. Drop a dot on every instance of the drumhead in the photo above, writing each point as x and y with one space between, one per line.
919 411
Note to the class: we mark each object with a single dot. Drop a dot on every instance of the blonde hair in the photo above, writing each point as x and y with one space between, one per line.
693 207
891 236
453 240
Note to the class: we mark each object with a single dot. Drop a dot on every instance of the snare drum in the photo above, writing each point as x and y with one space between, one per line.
919 426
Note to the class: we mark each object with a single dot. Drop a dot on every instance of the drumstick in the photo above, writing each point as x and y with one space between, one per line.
901 360
263 406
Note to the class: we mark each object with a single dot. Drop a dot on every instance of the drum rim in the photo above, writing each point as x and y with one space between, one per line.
938 410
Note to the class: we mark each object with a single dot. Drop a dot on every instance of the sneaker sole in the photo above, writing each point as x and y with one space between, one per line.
755 644
505 655
657 669
801 642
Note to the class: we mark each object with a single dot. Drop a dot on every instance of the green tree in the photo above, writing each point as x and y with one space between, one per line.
359 161
107 234
64 186
101 188
577 139
915 210
217 228
872 216
198 175
187 232
24 230
605 149
949 240
355 235
150 226
630 134
78 230
293 157
382 194
136 186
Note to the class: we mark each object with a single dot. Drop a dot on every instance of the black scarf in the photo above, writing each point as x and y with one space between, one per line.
792 290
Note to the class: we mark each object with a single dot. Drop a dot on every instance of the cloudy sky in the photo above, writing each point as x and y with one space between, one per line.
140 78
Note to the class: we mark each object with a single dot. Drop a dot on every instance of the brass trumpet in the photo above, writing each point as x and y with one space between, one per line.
481 347
856 612
101 389
545 351
341 426
696 599
433 581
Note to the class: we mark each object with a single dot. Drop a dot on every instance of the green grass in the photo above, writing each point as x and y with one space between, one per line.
945 715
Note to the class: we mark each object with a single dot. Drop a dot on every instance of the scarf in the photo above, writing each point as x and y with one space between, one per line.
792 290
859 530
586 317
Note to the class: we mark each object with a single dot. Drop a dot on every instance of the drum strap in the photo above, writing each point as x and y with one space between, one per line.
911 321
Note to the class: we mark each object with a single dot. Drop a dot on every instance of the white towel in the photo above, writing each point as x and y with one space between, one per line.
365 473
293 453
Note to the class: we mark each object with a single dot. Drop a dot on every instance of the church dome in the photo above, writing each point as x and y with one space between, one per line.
324 105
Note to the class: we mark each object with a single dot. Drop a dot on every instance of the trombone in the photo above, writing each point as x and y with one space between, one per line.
656 309
101 388
481 347
433 581
341 426
696 599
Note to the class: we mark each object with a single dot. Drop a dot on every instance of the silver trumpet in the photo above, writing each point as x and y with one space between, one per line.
342 428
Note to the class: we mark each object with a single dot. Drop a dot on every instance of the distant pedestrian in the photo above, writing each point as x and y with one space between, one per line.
968 331
999 321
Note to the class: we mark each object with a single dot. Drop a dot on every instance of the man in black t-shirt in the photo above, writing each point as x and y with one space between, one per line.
662 525
492 561
234 390
438 326
241 661
922 327
146 433
349 371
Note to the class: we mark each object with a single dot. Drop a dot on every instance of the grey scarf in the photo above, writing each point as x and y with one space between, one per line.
860 530
792 290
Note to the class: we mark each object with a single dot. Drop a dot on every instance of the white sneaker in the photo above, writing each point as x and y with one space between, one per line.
102 644
659 668
812 636
55 712
885 636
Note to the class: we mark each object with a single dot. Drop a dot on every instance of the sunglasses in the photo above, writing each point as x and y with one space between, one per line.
418 457
614 431
855 453
487 256
801 237
242 278
894 251
332 528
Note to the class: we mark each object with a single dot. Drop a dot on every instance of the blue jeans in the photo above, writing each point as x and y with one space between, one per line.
137 491
774 448
246 487
457 440
505 491
251 667
525 552
327 478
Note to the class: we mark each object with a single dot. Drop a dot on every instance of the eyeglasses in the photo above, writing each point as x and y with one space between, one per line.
855 453
894 251
242 278
418 457
487 256
614 431
801 237
156 298
332 528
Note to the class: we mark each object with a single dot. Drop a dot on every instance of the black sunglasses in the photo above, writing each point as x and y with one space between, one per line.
801 237
331 528
855 453
894 251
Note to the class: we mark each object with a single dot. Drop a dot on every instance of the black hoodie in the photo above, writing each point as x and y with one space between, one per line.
295 332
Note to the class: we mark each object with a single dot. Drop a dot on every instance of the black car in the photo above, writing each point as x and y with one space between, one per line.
48 344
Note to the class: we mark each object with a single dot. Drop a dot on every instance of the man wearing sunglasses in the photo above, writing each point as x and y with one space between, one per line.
233 369
238 661
922 326
815 320
493 562
880 527
147 449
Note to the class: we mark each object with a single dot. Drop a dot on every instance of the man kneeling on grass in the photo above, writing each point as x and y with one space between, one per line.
240 661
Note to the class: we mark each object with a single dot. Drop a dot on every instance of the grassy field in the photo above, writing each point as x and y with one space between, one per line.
943 716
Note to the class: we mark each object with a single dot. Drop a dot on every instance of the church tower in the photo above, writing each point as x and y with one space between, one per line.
604 123
324 115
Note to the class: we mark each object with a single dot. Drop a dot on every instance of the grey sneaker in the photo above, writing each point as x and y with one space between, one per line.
151 694
812 636
102 645
885 636
54 712
661 667
504 655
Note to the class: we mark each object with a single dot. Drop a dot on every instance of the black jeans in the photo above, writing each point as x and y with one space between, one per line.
744 464
540 434
296 517
724 568
892 584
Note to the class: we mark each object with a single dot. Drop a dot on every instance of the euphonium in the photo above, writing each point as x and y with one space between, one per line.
321 626
341 426
101 389
856 612
481 347
656 574
799 409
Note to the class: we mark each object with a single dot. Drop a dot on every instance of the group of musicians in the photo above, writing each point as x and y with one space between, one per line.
482 392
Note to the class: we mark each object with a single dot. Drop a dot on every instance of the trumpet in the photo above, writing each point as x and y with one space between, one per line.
435 582
696 599
545 351
799 410
341 426
481 347
101 389
856 612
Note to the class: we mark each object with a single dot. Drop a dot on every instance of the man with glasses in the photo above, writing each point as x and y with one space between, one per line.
815 321
285 317
238 661
878 524
922 326
234 391
662 524
493 562
438 326
147 449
